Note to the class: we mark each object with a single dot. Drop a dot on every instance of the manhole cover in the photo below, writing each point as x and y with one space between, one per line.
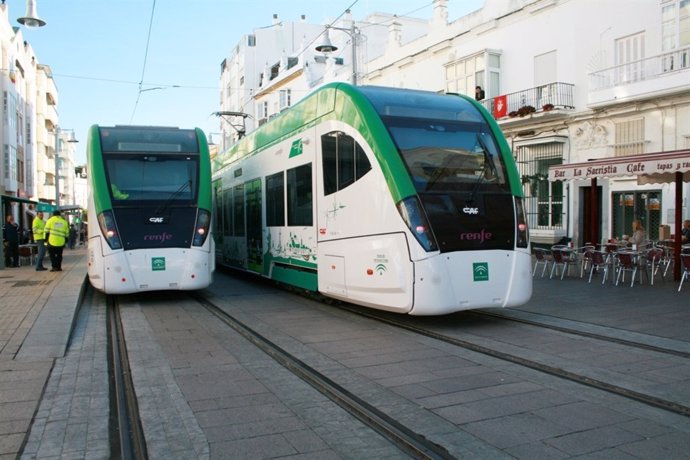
25 283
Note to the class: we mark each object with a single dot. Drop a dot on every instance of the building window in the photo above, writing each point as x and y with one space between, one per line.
251 40
630 58
642 205
285 96
543 199
629 137
675 34
483 69
262 112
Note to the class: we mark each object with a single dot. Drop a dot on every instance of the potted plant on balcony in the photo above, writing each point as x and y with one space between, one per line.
533 181
526 110
513 114
547 107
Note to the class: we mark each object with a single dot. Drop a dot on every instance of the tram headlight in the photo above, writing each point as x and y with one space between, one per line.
203 221
412 213
106 221
521 230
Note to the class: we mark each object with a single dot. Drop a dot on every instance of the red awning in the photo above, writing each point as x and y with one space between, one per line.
649 168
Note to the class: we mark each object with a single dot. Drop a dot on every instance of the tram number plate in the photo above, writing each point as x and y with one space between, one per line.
157 263
480 271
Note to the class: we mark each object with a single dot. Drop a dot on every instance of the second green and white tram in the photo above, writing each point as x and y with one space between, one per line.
401 200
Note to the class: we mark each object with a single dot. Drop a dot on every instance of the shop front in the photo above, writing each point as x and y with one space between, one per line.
632 203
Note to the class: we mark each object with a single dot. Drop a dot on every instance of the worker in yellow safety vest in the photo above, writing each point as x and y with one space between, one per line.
57 230
38 228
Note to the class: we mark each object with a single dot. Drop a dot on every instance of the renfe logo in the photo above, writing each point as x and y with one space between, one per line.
476 236
163 237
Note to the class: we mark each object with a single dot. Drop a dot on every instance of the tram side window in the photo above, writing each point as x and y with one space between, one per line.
238 210
275 200
299 190
227 211
344 161
329 155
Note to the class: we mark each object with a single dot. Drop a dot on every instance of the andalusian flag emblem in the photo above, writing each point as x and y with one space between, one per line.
296 148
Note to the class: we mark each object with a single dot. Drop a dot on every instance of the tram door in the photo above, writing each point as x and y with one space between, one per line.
254 226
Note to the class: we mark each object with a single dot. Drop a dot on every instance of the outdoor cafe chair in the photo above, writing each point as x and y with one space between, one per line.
685 263
599 261
586 258
562 257
653 261
542 256
627 262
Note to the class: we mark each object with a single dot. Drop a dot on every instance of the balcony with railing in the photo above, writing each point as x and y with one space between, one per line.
551 97
663 74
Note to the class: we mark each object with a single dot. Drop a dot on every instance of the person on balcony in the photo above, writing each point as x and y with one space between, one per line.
479 93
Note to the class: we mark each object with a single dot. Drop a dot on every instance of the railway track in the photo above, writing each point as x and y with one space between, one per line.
601 384
405 439
570 330
126 433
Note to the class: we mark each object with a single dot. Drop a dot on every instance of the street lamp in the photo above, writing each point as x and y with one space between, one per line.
71 140
31 18
328 47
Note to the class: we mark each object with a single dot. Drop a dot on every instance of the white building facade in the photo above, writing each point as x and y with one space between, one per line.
567 80
29 131
276 66
568 86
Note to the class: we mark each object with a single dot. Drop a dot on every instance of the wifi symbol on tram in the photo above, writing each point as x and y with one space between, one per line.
380 269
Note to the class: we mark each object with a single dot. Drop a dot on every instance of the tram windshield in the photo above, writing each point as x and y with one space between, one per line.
445 142
443 156
154 178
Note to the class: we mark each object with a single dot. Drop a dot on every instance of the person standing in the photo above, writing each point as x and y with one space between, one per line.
10 237
72 236
39 230
57 230
685 232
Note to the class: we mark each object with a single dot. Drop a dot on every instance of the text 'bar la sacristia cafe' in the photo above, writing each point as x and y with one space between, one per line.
661 167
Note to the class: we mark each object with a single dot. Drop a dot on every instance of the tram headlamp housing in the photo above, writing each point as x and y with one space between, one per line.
521 229
203 222
106 221
412 213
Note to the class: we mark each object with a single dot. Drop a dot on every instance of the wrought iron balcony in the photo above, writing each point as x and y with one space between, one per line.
542 98
664 73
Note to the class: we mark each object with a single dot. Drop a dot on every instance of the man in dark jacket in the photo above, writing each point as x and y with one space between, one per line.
10 237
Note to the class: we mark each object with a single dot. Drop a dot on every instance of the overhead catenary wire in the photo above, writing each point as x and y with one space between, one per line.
146 55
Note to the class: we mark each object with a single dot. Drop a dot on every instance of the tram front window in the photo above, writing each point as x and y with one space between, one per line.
170 178
446 155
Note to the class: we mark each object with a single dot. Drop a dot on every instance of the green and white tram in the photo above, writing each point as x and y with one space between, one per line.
401 200
149 209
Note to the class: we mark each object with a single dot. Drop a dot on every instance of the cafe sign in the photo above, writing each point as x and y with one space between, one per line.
655 167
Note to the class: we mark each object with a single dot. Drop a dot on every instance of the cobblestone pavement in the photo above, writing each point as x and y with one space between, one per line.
54 403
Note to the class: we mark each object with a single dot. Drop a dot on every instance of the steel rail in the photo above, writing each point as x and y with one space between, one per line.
650 400
127 439
591 335
405 439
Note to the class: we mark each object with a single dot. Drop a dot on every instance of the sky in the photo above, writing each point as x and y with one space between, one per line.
102 52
